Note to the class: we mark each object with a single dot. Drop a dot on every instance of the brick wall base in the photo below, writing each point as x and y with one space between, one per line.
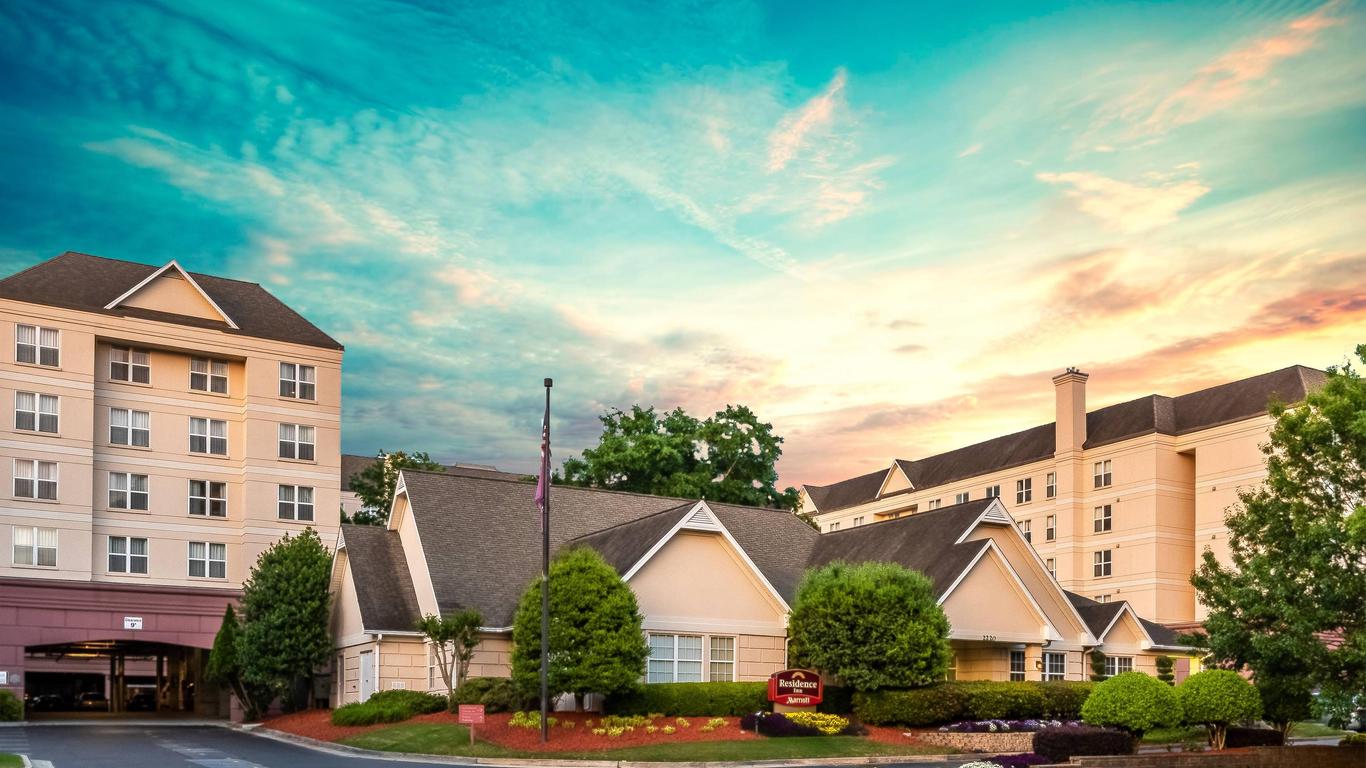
1251 757
995 743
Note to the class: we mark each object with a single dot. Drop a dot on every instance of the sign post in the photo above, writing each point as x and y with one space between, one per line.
795 689
471 715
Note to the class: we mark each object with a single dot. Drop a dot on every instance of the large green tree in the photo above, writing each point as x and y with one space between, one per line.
225 668
597 644
284 635
872 625
1292 604
728 457
374 485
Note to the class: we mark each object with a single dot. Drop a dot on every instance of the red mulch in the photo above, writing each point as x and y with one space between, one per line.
885 735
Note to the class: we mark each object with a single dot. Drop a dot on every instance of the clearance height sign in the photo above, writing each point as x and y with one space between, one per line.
795 688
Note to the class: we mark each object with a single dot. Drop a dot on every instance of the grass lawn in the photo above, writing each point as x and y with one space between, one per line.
10 761
444 739
1311 729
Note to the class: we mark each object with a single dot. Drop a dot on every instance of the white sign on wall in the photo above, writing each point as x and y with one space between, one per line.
132 622
4 677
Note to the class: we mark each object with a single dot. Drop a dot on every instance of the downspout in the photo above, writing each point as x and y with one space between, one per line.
378 675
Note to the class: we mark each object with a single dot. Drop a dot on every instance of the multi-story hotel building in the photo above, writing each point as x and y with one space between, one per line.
1120 502
159 430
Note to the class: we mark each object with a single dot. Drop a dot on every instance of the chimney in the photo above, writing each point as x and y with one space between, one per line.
1069 389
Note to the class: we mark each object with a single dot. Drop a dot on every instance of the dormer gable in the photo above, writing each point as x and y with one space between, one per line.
174 291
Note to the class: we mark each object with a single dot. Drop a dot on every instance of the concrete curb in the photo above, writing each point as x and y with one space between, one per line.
517 762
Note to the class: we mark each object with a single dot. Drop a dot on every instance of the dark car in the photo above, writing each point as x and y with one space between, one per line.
142 701
92 702
46 702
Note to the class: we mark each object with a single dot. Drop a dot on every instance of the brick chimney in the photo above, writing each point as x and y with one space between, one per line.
1069 389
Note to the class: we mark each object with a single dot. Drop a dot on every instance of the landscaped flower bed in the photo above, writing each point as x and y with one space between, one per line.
1004 726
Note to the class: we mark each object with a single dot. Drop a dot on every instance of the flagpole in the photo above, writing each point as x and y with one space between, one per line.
545 574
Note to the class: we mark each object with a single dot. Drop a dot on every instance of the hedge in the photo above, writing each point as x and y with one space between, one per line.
1253 737
388 707
954 701
692 700
1059 745
11 707
419 702
497 694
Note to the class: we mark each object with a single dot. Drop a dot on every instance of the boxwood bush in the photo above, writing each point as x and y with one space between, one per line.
419 702
497 694
1217 698
370 712
11 707
954 701
1134 702
692 700
1059 745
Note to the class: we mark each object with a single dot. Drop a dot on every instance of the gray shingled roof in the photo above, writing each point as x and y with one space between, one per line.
1098 617
353 464
1222 404
87 283
384 586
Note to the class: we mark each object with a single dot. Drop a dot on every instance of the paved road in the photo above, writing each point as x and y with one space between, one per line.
145 746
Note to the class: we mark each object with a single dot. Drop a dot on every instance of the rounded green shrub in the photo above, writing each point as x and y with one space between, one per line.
419 702
11 707
497 694
1133 702
1217 698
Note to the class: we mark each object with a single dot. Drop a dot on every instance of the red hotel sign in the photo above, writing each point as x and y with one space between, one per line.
795 688
472 714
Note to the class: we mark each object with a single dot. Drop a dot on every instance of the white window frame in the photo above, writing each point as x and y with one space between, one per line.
1050 528
129 417
295 502
34 548
296 440
1050 487
673 659
1101 475
993 491
733 662
962 498
37 347
33 471
1024 490
208 497
1017 671
1052 566
933 504
1052 671
1105 598
212 376
299 381
1102 564
128 559
207 435
46 411
207 559
1103 519
125 483
134 361
1118 665
858 521
1027 529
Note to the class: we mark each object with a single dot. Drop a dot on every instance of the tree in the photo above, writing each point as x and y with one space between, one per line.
1097 665
225 668
1217 698
871 625
1165 665
284 636
1286 700
729 457
374 485
454 637
1133 702
597 644
1298 548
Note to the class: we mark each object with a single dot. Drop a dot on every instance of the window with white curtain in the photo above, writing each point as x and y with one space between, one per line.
127 555
127 427
208 560
35 412
296 502
209 436
674 659
298 381
296 442
1054 666
38 345
1115 665
35 479
208 498
127 491
961 498
209 375
131 365
35 546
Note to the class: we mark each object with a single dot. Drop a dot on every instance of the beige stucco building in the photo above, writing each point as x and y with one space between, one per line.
160 430
714 583
1119 502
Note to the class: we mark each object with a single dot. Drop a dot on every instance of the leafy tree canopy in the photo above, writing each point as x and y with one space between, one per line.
872 625
284 635
597 644
454 636
729 457
1298 548
375 484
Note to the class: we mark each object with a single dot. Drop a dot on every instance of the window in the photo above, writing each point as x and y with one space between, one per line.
952 673
35 413
1102 598
1026 528
1052 567
1024 490
33 344
127 555
1100 563
933 504
834 527
296 442
35 479
1102 519
208 498
298 381
296 502
208 375
35 546
858 520
1115 665
721 659
1050 528
209 436
1054 666
961 498
1017 666
127 491
674 659
130 427
1102 474
208 560
1050 485
128 364
993 492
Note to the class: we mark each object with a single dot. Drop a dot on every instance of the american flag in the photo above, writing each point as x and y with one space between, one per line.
543 484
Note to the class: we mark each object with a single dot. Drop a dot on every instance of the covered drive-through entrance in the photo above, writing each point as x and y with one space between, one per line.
113 677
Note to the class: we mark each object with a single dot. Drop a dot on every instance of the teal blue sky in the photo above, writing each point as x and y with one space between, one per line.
882 225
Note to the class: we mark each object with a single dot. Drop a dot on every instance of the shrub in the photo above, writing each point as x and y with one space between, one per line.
775 724
916 708
996 701
828 725
1059 745
497 694
1133 702
417 702
1286 699
692 699
11 707
1353 740
948 702
1217 698
1165 665
1253 737
837 700
370 712
1063 699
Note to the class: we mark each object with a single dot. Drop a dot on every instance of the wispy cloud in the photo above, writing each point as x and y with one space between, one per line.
795 127
971 150
1128 206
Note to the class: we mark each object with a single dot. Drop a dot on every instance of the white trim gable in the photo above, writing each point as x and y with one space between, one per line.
1126 608
186 275
706 520
1051 632
895 468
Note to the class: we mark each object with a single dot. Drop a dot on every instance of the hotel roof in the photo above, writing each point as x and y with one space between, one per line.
353 464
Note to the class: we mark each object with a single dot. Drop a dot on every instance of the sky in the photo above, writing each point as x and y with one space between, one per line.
883 226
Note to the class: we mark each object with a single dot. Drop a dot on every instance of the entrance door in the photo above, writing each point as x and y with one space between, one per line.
367 675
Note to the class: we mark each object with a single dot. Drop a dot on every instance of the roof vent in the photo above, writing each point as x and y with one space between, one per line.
701 519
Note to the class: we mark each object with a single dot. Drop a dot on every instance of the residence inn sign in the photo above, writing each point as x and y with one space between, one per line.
795 688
